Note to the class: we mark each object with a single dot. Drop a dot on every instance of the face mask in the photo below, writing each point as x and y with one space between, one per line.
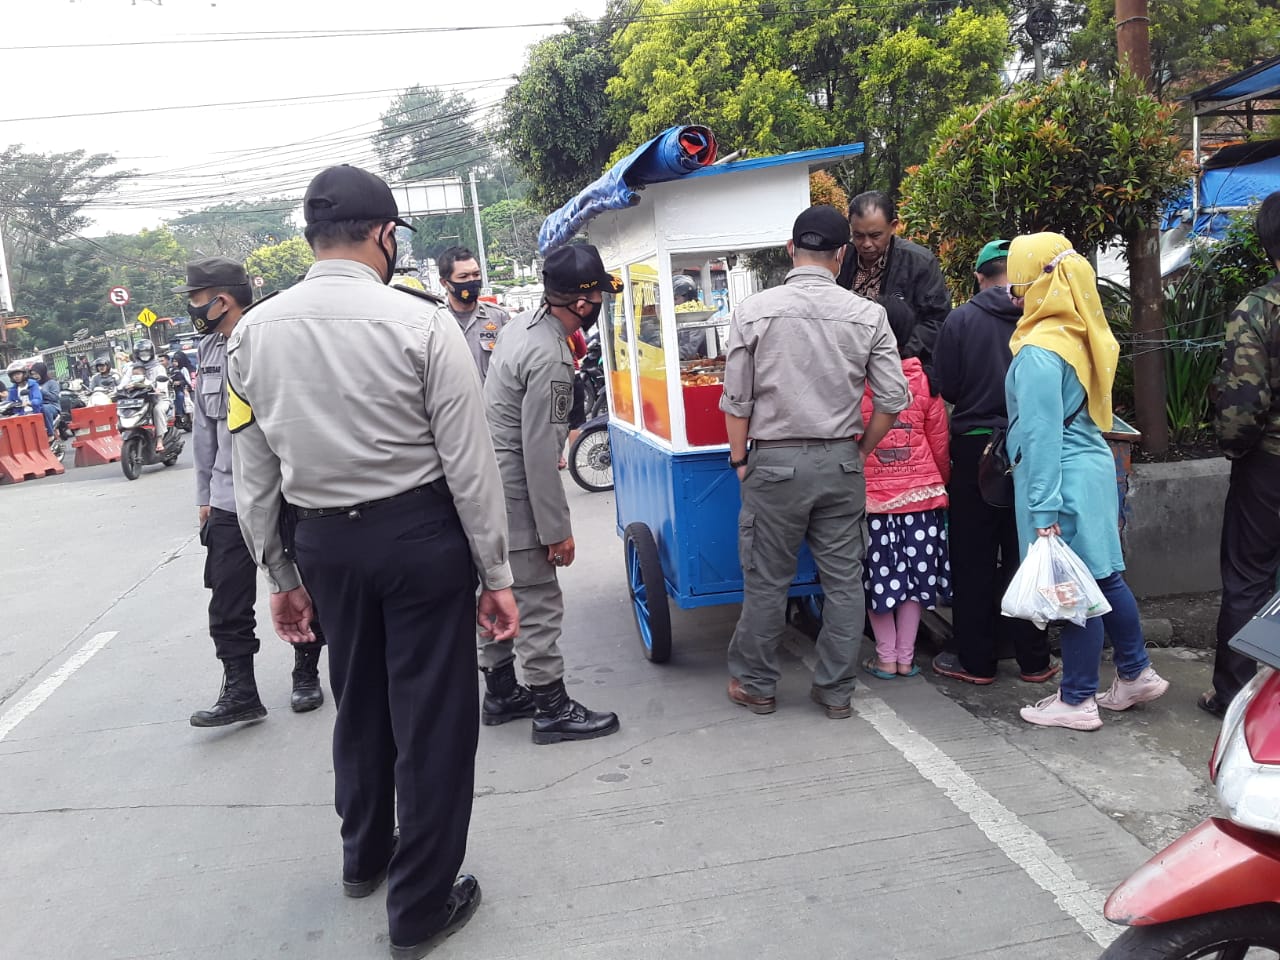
466 293
200 318
592 316
391 256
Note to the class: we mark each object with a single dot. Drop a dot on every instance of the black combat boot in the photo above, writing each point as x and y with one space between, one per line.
238 701
504 698
307 694
561 718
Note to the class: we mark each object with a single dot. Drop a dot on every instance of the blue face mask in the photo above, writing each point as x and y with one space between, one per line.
467 293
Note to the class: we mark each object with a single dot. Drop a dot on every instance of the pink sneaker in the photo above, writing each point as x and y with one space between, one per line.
1055 712
1145 687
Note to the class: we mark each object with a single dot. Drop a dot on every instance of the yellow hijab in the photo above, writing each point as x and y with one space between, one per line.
1063 313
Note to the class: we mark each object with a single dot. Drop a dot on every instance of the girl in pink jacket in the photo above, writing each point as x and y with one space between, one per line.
906 566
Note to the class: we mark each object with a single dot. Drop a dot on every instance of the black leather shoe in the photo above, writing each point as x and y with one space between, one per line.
560 717
238 702
504 698
461 907
307 693
359 889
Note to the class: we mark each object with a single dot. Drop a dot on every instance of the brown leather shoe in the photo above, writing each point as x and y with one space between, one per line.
750 701
833 712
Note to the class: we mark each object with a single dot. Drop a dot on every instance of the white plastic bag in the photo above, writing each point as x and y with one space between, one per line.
1053 584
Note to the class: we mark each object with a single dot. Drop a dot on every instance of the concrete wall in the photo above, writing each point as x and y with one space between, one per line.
1174 524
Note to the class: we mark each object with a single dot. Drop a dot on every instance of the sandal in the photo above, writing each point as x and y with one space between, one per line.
869 665
913 672
1210 704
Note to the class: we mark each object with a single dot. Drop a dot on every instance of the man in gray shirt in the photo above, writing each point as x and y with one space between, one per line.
219 294
798 360
480 322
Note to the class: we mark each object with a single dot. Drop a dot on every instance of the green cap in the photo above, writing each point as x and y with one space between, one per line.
992 251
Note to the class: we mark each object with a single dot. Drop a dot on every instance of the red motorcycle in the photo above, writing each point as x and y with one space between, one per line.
1215 891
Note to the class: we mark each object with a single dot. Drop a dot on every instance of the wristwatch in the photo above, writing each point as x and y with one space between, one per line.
739 463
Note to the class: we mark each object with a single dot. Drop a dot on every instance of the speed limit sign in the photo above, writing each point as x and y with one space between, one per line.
258 281
118 295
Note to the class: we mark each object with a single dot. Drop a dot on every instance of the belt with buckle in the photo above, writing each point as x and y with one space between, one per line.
438 487
803 442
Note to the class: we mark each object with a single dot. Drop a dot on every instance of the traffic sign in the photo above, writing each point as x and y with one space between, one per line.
147 317
15 323
258 281
118 295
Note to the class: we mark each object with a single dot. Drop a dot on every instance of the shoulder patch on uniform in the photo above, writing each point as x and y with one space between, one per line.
561 401
260 302
420 294
239 413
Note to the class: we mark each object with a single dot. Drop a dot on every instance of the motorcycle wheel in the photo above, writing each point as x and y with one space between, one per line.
1252 932
132 457
591 460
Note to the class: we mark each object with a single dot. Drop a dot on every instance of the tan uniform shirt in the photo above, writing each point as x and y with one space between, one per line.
345 390
799 357
481 328
528 395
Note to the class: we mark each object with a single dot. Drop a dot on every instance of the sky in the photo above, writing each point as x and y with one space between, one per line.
137 91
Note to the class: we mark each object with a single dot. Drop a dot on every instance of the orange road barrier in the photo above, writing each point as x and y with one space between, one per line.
97 439
24 449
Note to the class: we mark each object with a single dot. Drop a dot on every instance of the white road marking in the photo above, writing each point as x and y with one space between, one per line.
28 704
1027 849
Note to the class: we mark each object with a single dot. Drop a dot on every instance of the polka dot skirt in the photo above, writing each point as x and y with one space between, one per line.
906 560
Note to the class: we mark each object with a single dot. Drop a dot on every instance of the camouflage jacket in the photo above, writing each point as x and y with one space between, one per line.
1247 395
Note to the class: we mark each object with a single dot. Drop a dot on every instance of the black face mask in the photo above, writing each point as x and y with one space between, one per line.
466 293
200 318
392 257
593 314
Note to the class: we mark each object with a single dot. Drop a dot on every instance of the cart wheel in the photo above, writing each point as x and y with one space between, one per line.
648 592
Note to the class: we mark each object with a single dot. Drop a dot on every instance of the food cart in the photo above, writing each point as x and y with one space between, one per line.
677 498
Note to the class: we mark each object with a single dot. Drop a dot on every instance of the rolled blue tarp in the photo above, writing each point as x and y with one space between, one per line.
670 155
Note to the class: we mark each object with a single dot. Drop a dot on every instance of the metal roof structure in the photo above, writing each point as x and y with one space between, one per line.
1259 82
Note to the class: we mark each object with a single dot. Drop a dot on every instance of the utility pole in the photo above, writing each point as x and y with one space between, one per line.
475 208
1133 47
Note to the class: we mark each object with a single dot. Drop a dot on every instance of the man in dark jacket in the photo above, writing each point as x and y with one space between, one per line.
973 357
901 276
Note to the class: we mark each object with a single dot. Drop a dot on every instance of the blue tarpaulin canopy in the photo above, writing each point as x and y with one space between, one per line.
674 153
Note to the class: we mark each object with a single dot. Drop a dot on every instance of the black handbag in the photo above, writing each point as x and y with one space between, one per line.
995 469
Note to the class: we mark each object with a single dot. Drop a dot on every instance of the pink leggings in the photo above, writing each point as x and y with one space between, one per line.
896 632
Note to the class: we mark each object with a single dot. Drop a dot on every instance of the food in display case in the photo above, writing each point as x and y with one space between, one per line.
702 373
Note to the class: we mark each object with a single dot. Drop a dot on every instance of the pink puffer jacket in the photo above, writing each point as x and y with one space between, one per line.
909 470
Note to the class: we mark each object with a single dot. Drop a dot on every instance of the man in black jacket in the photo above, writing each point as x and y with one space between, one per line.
901 276
973 357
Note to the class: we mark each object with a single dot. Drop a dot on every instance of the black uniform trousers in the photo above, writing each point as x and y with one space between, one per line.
984 557
232 576
395 589
1249 558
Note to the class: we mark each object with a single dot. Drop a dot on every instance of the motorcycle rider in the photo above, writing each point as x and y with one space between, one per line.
105 378
51 393
23 389
144 355
219 294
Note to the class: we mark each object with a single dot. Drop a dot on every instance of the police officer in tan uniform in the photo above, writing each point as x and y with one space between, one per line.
395 513
528 395
798 359
480 322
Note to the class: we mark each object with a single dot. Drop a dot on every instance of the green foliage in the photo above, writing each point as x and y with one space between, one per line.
427 132
556 120
280 265
234 229
1078 155
510 232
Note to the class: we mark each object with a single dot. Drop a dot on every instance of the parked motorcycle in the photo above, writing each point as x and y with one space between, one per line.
135 403
591 374
591 457
1215 891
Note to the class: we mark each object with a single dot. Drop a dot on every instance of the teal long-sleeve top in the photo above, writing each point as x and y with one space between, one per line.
1064 476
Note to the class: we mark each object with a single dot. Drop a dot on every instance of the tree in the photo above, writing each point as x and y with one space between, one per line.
234 229
511 231
1082 156
427 132
280 264
556 121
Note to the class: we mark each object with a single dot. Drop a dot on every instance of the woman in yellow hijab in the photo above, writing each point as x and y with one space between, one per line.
1058 391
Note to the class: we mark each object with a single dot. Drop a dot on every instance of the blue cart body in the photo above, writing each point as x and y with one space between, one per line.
690 502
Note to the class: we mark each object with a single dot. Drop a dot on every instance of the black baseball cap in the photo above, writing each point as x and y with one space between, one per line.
577 268
824 222
213 272
349 193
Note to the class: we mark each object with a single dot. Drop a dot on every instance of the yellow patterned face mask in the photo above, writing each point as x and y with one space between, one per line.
1062 312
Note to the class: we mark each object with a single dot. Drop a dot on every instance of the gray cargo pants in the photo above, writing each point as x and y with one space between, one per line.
541 606
812 491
